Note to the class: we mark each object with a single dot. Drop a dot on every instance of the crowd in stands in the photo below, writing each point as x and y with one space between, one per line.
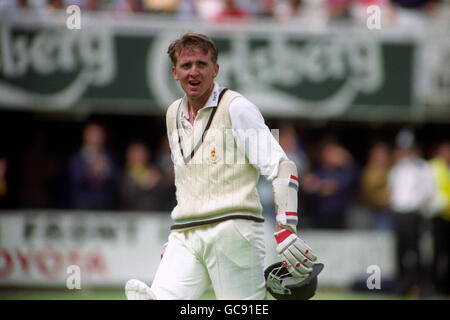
403 12
332 180
94 177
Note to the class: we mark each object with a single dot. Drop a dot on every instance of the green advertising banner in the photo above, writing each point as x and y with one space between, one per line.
125 68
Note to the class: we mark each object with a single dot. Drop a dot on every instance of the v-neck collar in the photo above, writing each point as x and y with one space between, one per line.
212 101
204 129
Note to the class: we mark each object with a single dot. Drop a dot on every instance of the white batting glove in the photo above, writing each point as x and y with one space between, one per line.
294 253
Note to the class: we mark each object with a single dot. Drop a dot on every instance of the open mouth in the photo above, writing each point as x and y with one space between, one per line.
194 83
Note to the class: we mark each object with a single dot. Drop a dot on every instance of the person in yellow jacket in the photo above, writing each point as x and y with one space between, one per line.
440 165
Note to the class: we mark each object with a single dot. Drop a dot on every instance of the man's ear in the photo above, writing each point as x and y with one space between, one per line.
174 73
216 70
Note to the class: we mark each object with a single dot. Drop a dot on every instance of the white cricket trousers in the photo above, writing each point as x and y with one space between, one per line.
229 255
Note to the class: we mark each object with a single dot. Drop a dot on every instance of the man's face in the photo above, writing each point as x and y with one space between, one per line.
196 72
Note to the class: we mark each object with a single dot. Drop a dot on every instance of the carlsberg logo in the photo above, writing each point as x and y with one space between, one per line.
282 73
88 57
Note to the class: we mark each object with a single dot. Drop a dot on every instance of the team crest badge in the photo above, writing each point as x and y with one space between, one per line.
213 156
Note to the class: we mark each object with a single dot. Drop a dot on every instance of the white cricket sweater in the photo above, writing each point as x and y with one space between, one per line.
213 178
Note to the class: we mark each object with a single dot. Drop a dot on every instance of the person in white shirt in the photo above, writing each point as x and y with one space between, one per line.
411 188
220 146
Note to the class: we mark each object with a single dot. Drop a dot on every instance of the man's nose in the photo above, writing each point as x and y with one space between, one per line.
194 70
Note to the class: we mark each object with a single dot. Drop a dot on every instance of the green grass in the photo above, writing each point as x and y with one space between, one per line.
118 294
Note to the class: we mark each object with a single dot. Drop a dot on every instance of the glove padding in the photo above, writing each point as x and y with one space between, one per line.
294 253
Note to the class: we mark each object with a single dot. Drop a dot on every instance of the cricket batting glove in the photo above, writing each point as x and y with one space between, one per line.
285 195
295 254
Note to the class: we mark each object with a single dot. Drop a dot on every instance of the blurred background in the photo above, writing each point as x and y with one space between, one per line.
358 89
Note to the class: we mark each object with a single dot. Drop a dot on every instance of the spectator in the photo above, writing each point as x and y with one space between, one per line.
126 6
11 6
92 5
330 186
160 6
252 7
141 182
93 173
186 10
413 13
310 14
411 188
207 10
231 13
22 4
287 10
440 165
292 145
338 9
267 7
374 185
56 4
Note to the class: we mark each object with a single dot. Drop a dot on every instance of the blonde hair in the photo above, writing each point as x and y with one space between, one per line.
192 40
